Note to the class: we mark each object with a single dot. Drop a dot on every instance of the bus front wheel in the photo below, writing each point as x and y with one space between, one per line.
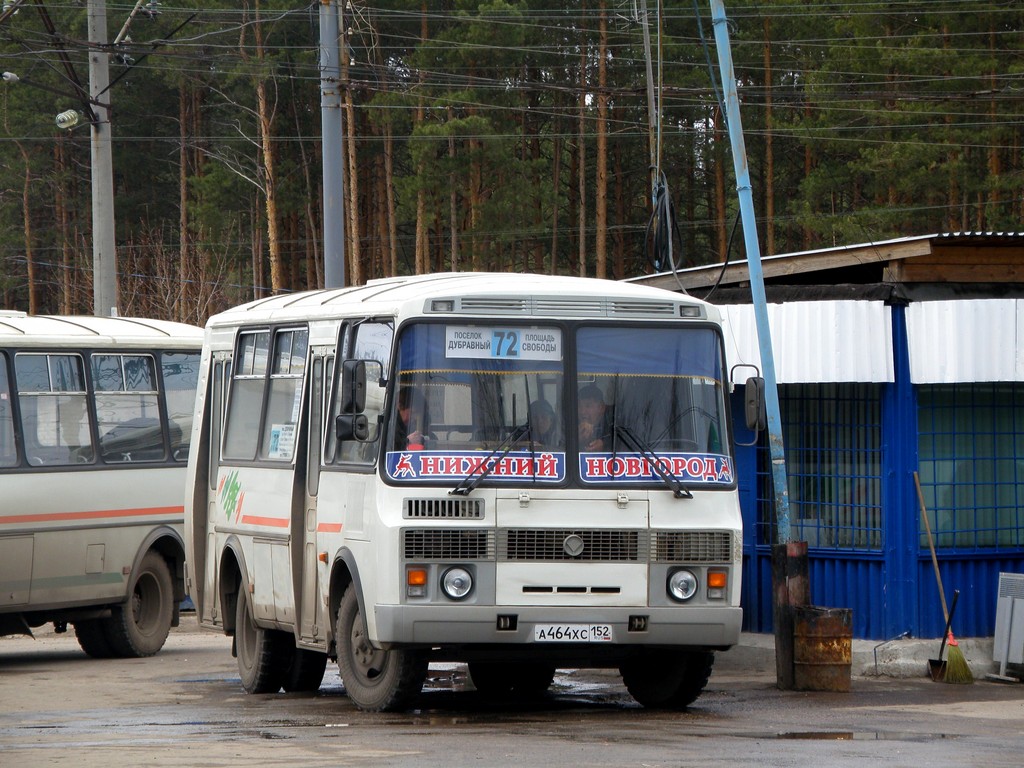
140 626
375 680
667 679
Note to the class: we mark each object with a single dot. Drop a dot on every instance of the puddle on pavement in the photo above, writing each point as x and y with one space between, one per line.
858 736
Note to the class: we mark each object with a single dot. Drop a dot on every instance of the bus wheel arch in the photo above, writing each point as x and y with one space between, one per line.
231 582
170 546
375 680
344 573
139 626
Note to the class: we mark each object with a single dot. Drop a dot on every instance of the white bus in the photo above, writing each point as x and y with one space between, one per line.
518 472
95 421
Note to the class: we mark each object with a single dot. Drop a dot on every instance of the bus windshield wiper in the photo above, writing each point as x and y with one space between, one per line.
472 480
679 490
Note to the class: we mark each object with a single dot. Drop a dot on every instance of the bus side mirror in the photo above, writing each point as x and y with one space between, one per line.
352 426
753 404
353 386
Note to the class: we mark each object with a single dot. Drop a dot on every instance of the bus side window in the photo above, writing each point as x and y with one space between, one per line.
55 417
245 400
280 423
373 342
8 452
127 409
181 376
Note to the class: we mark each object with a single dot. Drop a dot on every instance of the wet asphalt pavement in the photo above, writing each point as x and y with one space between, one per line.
185 707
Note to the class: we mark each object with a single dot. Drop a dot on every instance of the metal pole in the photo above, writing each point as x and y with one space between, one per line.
104 255
739 158
332 147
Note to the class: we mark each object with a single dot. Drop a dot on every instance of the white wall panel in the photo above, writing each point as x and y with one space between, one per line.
815 341
966 341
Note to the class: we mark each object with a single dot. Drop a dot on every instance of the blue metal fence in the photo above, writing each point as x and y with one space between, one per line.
851 451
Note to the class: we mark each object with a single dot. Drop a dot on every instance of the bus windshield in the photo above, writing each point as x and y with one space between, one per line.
495 404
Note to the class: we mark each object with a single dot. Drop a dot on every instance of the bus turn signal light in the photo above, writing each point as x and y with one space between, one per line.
717 582
416 582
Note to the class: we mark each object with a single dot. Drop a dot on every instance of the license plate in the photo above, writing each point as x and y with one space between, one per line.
572 633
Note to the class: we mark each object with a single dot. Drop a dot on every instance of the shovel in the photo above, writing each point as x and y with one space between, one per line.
937 667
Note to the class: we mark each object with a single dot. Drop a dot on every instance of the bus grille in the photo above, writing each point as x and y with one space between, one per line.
645 308
561 544
443 509
691 547
446 544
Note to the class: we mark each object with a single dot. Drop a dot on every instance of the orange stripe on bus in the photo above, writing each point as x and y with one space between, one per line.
276 522
96 514
329 528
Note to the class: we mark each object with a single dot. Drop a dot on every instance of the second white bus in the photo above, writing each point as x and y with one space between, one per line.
95 421
518 472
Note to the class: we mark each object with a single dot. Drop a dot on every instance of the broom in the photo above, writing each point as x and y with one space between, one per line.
957 669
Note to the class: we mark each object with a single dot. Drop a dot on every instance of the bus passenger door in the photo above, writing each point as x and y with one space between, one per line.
311 608
210 604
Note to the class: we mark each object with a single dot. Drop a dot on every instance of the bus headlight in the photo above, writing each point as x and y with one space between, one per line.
456 583
682 585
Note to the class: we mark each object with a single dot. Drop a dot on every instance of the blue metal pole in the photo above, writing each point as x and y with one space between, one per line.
331 128
743 189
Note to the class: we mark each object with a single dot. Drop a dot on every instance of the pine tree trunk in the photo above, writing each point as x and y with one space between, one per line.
720 205
769 155
556 162
355 256
601 180
421 195
581 162
32 271
67 303
182 303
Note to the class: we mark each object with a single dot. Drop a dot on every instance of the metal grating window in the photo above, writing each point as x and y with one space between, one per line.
833 439
691 547
446 544
550 544
443 509
971 462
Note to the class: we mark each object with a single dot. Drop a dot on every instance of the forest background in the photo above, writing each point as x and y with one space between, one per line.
496 135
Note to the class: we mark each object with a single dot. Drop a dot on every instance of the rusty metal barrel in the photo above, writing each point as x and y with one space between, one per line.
822 648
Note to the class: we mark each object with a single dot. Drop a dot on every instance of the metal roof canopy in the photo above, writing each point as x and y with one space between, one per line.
921 268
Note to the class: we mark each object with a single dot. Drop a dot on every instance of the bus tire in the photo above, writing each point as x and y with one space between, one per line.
375 680
140 627
305 672
262 654
525 680
93 639
667 679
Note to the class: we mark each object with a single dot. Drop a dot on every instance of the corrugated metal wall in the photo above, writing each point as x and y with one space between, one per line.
892 589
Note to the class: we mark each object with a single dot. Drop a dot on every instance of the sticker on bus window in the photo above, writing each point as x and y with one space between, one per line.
688 468
503 343
282 441
517 466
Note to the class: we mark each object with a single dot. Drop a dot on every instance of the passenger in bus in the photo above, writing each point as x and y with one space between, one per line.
411 425
595 423
543 429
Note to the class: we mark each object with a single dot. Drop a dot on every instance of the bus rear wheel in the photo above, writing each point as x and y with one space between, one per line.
262 654
305 672
667 679
140 626
375 680
93 639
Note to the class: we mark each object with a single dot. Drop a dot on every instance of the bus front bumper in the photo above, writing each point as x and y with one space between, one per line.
461 625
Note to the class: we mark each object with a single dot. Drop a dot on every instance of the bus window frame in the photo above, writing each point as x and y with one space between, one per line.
268 376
